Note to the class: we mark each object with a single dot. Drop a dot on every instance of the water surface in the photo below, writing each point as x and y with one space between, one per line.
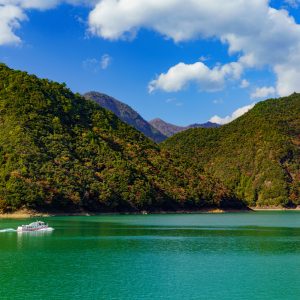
201 256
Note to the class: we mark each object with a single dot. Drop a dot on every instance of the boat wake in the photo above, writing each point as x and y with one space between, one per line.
7 230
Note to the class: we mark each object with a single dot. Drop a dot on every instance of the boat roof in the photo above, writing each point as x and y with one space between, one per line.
36 223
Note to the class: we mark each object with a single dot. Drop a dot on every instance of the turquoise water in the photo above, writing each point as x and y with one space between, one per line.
201 256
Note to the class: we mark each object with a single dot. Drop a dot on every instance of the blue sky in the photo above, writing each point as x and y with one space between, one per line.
138 55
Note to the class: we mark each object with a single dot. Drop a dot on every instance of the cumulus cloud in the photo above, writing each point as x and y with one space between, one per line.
45 4
13 13
32 4
207 79
260 34
10 18
236 114
179 20
263 92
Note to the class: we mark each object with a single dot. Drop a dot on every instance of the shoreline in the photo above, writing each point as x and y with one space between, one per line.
275 209
25 214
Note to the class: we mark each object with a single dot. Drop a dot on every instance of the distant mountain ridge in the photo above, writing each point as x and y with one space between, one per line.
126 114
170 129
157 129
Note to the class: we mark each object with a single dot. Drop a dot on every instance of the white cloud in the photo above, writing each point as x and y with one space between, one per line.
13 13
45 4
207 79
263 92
105 61
236 114
288 78
244 84
31 4
10 18
260 34
177 19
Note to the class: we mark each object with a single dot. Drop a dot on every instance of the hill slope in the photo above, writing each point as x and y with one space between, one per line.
61 151
169 129
126 114
204 125
257 156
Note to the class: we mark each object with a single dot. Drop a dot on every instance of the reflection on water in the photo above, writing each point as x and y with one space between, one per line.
28 236
35 233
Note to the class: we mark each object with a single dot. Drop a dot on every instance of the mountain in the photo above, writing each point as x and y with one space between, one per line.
157 129
166 128
59 151
126 114
256 157
169 129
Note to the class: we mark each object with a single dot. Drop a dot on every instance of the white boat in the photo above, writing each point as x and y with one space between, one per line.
35 226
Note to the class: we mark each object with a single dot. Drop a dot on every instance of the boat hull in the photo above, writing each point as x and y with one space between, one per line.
23 229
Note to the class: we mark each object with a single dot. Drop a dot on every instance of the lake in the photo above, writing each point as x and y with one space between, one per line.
197 256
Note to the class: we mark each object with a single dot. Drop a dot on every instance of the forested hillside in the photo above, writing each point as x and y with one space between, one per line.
257 156
60 151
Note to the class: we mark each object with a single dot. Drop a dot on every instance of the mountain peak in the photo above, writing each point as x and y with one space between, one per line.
169 129
126 114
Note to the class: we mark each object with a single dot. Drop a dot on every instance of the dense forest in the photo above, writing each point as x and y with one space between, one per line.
256 157
60 151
